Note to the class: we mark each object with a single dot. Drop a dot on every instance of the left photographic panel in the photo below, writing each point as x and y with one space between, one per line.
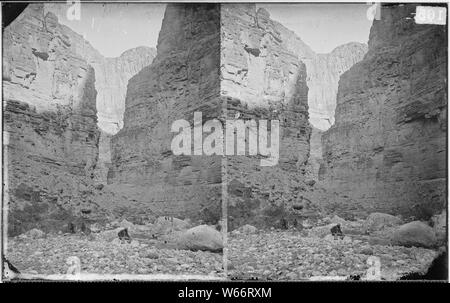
100 103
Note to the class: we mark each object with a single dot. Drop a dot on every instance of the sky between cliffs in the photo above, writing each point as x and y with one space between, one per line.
323 26
113 28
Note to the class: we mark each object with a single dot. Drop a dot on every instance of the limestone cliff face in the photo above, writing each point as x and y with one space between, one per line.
50 124
112 75
262 78
183 78
387 150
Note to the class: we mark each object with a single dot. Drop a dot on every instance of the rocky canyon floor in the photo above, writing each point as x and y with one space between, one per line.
40 258
288 256
252 254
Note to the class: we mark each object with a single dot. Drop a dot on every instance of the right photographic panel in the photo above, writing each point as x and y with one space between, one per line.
335 163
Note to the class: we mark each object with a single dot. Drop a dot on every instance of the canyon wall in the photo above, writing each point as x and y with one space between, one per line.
183 78
111 84
323 72
387 149
50 124
262 78
112 75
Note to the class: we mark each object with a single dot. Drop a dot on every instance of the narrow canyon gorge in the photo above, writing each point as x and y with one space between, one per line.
362 144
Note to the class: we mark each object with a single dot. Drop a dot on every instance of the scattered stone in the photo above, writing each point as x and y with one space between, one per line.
248 229
95 228
126 224
151 255
284 252
354 277
292 276
86 211
379 221
71 229
230 265
169 224
320 231
336 231
379 241
85 229
35 234
124 236
310 182
415 233
115 224
109 235
337 220
329 238
366 251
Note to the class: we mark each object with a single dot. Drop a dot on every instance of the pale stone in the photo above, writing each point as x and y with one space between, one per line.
201 237
415 233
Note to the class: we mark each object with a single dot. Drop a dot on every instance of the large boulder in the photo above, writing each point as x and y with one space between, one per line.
414 233
202 237
380 221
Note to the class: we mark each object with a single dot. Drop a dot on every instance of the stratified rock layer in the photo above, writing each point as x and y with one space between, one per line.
387 150
50 124
183 78
263 79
